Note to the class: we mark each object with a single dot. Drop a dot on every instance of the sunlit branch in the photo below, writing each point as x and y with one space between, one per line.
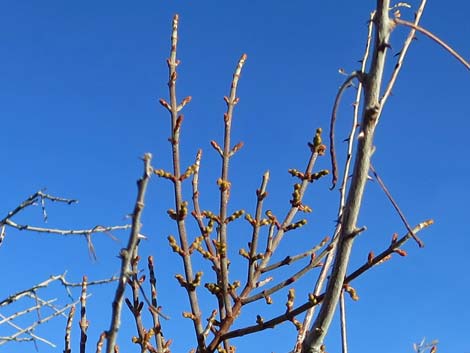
127 253
401 57
396 207
346 84
434 38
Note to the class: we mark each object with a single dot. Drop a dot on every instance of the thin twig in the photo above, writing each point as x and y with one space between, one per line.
40 197
30 328
26 311
33 199
96 229
33 337
16 296
401 57
197 214
389 251
126 254
261 195
155 317
395 206
293 258
434 38
346 84
136 305
314 262
315 300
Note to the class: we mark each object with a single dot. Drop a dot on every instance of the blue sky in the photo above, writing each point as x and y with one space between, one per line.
79 90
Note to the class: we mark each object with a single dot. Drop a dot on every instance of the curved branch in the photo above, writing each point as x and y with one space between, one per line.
346 84
434 38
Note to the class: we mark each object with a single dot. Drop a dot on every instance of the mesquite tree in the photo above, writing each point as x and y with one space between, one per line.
207 259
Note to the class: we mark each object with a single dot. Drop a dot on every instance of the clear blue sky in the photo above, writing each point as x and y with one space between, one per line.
79 90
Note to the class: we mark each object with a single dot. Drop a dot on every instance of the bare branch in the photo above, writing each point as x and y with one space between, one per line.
32 337
344 338
155 313
33 199
252 261
96 229
315 300
343 189
68 330
402 55
224 186
100 343
40 197
127 253
389 251
61 278
26 311
180 204
291 259
346 84
395 205
31 327
83 320
314 262
434 38
383 25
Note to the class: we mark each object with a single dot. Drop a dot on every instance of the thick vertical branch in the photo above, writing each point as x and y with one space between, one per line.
343 188
314 340
344 336
127 254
